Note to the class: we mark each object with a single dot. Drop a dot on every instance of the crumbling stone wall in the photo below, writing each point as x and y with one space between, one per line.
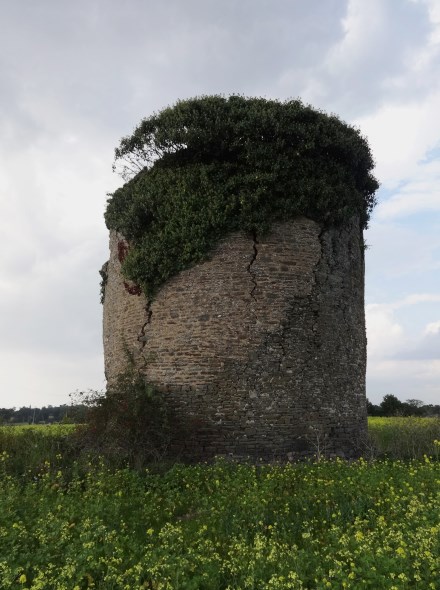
261 350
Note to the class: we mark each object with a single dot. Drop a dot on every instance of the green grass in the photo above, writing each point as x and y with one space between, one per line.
67 524
321 525
398 438
404 437
28 447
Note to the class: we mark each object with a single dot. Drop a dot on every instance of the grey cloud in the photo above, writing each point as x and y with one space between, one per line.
114 62
404 387
57 310
426 349
94 69
399 252
362 83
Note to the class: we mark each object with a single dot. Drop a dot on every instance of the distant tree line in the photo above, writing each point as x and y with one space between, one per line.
392 406
45 415
76 413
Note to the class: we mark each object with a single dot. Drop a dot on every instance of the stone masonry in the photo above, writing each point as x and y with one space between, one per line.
260 350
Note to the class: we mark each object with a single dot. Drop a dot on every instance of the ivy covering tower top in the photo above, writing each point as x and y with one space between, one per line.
208 166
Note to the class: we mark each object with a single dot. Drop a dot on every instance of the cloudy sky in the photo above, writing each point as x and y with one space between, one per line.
77 76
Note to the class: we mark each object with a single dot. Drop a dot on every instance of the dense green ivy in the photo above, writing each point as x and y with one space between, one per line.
211 165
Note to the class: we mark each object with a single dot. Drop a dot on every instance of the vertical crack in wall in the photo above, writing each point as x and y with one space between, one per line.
142 337
249 268
320 277
283 350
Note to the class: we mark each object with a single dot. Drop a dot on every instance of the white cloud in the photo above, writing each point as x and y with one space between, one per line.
400 135
405 379
433 7
384 333
425 346
402 360
401 256
420 193
377 44
433 328
405 125
53 377
414 299
422 64
362 23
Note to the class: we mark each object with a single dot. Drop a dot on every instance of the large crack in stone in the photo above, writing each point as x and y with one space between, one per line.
249 268
282 349
142 336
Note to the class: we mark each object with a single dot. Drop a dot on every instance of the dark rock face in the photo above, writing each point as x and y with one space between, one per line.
261 350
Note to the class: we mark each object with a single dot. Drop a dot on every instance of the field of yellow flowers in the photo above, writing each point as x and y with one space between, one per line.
317 525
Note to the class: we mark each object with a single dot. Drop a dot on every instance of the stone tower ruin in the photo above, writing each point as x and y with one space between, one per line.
259 349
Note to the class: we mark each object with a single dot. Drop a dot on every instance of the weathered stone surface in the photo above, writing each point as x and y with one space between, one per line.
261 350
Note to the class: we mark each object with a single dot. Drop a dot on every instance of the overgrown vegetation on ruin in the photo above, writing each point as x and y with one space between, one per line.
212 165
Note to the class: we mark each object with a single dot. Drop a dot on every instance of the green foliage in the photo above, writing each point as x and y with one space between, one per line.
28 447
45 415
212 165
404 437
104 279
392 406
325 525
129 424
